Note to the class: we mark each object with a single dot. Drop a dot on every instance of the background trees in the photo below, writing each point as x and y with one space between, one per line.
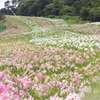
90 10
86 9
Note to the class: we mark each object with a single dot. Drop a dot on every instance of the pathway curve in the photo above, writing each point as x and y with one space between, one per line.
43 23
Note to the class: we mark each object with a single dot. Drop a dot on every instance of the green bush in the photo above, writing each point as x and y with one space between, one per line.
51 16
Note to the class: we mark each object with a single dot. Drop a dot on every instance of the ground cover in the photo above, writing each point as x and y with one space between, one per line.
45 71
51 66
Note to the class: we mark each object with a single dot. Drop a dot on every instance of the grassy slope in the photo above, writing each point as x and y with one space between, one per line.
14 31
11 37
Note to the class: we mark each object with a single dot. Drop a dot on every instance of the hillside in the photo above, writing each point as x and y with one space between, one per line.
49 59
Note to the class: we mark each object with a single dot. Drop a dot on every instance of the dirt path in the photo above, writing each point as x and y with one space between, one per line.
43 23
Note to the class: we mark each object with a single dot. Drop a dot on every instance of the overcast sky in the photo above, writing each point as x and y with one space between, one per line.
2 3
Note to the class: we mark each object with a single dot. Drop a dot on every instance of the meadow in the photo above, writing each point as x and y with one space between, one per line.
48 59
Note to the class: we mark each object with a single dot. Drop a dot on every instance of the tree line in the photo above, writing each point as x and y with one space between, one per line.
87 9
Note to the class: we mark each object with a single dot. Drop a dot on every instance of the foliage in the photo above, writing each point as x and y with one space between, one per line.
87 10
94 14
91 14
66 10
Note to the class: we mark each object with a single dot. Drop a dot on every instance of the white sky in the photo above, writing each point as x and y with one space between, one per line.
2 3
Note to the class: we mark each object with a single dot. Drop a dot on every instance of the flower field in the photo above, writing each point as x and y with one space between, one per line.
40 63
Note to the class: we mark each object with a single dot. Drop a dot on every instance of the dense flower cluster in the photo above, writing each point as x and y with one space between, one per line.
96 23
42 72
45 36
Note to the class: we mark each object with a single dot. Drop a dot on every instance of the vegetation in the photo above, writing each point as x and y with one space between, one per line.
54 56
39 60
87 10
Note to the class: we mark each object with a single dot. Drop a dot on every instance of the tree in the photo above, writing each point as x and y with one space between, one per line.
3 10
33 7
66 10
69 2
86 9
77 6
84 13
94 14
11 7
91 10
7 4
49 9
15 3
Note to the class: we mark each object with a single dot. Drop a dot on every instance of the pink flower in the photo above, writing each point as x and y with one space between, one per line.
95 79
71 96
55 97
5 98
26 81
86 73
78 81
15 95
3 88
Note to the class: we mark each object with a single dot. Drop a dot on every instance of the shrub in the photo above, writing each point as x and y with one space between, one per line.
2 17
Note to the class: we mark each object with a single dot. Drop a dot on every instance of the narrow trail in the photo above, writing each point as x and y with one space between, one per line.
43 23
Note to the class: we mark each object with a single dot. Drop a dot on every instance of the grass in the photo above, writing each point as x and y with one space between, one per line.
14 30
95 93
